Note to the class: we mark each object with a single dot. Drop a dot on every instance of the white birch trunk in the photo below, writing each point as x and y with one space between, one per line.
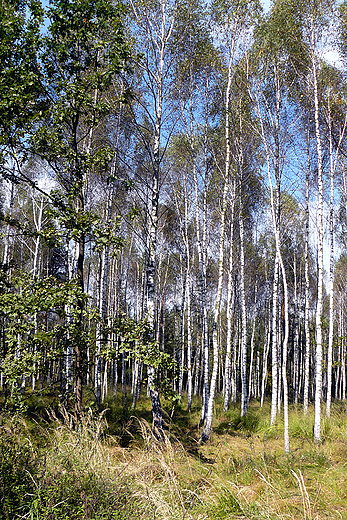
6 255
267 335
102 307
105 382
71 247
333 163
286 320
331 274
234 368
208 421
275 211
286 323
257 379
251 378
189 338
284 358
230 290
274 351
296 367
38 226
244 397
157 33
201 247
181 333
319 309
190 132
307 292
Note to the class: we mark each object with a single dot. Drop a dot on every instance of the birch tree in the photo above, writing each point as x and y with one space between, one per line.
154 33
234 20
282 44
333 103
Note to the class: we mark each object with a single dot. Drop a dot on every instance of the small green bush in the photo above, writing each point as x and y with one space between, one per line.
83 496
17 470
247 423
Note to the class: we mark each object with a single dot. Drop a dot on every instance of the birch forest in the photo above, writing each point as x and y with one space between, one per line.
174 206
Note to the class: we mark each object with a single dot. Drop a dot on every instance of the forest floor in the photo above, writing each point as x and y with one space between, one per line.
109 467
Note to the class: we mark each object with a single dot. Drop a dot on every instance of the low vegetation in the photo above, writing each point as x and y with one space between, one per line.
54 467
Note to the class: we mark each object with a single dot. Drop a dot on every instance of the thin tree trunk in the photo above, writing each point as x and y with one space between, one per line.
102 305
208 421
251 385
227 376
307 291
274 388
267 335
189 349
319 309
244 397
275 211
331 278
333 163
201 247
296 338
182 328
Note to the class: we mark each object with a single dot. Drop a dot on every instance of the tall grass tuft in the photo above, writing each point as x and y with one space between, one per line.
158 468
80 480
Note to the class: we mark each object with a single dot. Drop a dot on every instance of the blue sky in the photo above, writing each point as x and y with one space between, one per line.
266 4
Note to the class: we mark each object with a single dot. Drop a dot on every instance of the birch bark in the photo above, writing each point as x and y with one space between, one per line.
102 306
275 207
208 419
156 31
230 291
244 397
319 309
307 290
333 158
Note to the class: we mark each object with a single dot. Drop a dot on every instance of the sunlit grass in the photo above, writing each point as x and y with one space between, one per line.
109 466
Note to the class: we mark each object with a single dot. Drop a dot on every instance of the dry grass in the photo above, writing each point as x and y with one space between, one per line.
153 467
310 483
241 473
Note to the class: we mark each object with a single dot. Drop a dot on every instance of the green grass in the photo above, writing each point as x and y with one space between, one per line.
108 466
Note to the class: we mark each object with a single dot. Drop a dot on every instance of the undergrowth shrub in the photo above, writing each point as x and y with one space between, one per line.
84 496
71 478
315 459
80 481
17 470
247 423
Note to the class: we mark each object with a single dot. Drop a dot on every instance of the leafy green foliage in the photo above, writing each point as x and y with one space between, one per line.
83 53
136 337
21 101
37 326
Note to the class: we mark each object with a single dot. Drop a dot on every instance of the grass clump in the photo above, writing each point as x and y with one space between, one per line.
227 504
